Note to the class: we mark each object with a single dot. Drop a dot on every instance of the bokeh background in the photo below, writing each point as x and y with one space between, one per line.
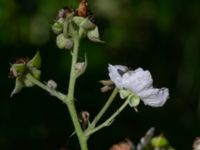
161 36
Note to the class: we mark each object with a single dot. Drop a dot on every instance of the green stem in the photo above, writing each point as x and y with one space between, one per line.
55 93
70 99
109 120
104 109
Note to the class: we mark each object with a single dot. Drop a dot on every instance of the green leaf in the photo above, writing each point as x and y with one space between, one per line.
35 61
134 100
18 86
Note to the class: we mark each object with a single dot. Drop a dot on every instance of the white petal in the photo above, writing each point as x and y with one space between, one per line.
154 97
114 74
137 80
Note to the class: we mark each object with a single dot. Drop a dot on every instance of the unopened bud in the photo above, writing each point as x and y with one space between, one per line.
57 27
63 42
106 88
79 66
84 118
106 82
52 85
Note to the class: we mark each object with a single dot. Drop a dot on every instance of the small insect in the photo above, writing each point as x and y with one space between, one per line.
83 8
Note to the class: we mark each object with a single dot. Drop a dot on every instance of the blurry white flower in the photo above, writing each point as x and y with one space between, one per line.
140 83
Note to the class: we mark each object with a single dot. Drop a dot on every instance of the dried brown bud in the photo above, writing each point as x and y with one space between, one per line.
107 85
106 88
106 82
84 118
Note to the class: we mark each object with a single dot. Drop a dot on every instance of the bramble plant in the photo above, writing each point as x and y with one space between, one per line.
133 86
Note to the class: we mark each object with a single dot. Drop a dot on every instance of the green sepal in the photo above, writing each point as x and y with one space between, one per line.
84 23
18 69
57 27
134 100
36 73
93 35
159 142
28 83
124 93
35 61
66 28
18 86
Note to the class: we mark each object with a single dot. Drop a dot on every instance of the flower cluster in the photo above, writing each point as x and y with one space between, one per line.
137 84
74 22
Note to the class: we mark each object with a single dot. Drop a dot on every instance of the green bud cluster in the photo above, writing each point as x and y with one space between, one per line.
21 69
70 25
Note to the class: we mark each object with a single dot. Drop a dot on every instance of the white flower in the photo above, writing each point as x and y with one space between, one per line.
140 83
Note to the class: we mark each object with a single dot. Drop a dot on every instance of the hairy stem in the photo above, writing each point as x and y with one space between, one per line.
104 109
109 120
70 99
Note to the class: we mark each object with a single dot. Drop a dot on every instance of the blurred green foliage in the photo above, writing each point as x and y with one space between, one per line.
161 36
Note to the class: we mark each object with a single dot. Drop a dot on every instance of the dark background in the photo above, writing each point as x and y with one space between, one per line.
161 36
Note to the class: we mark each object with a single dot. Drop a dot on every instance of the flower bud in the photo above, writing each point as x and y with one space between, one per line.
134 101
52 85
106 82
106 88
64 43
57 27
84 118
79 66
